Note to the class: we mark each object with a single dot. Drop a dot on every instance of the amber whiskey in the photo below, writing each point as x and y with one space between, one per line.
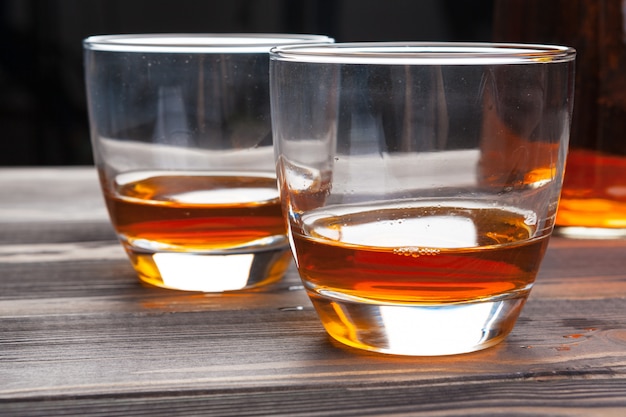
594 191
199 214
419 255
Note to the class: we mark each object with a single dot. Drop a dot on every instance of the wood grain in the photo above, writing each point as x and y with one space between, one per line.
80 336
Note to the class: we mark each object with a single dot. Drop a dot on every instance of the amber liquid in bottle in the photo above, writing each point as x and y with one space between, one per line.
594 191
594 188
422 255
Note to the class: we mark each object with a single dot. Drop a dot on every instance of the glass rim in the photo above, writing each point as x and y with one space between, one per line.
198 42
424 53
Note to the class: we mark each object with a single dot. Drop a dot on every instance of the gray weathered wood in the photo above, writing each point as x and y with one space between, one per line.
80 336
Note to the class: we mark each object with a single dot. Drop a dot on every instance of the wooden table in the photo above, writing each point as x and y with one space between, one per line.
80 336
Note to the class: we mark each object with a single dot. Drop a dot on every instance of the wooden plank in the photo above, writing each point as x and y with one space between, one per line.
513 397
133 339
17 233
80 336
50 194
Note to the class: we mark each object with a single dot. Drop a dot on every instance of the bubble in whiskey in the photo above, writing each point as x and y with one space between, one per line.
416 252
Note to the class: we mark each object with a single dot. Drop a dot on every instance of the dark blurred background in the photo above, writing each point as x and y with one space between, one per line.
43 117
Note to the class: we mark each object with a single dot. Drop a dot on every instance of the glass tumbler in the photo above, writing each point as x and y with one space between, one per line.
420 184
181 135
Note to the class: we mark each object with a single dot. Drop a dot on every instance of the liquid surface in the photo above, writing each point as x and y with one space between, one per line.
195 211
594 191
418 254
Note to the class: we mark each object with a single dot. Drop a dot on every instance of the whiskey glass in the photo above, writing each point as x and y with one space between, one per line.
420 184
181 136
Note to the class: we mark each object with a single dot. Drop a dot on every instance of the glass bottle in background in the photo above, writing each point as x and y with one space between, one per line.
593 200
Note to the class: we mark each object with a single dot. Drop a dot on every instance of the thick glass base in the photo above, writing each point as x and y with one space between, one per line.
590 232
419 330
205 272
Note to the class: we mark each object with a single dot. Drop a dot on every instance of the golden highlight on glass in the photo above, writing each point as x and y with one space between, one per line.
420 184
180 127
